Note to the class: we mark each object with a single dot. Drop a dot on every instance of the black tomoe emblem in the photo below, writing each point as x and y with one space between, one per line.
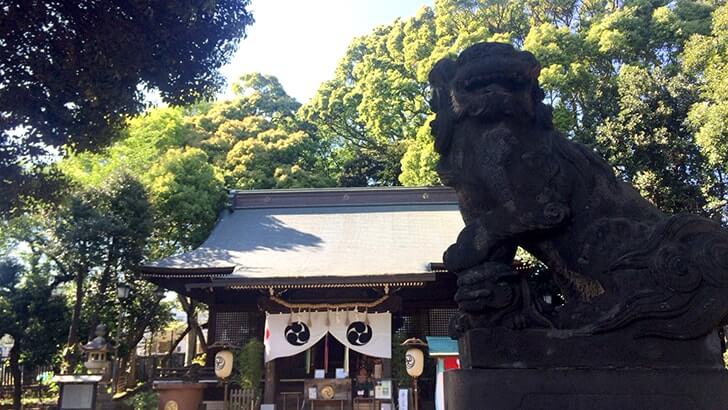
409 361
297 333
359 333
219 362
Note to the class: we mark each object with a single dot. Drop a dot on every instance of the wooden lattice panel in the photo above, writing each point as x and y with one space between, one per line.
233 327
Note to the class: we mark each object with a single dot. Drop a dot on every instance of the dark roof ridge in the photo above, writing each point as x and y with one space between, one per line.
363 196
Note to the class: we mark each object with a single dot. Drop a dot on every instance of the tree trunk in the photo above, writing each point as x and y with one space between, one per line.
190 308
71 356
122 374
103 283
191 345
201 342
17 375
132 376
269 390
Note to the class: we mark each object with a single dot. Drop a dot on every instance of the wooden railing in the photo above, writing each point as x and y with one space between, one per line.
29 380
242 399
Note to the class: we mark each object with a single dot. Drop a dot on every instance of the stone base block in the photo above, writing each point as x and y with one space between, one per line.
577 389
540 348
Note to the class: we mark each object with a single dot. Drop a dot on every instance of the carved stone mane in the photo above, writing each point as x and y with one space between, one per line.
620 263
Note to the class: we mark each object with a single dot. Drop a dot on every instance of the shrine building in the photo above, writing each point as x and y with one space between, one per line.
330 280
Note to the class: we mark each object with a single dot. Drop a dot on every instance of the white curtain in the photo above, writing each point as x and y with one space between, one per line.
290 334
287 334
368 333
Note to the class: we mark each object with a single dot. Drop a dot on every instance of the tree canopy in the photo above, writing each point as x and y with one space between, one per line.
639 81
71 72
32 314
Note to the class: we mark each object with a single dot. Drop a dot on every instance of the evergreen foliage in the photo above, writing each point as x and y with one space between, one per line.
249 365
32 314
73 71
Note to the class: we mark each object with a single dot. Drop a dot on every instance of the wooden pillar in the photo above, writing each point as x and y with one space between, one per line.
269 391
211 323
211 334
387 368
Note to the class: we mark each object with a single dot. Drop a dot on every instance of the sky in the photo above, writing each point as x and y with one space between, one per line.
300 42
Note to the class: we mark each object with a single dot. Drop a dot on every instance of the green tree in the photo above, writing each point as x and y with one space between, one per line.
263 96
186 193
93 241
706 62
72 71
98 238
611 71
375 101
144 139
258 142
420 159
272 159
249 363
32 314
648 142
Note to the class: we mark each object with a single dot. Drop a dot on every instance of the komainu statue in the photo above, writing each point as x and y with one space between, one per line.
620 263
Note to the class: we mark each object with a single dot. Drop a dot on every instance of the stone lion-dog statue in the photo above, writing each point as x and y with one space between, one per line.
618 261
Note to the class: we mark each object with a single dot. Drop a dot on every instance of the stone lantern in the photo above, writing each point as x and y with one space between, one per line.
97 351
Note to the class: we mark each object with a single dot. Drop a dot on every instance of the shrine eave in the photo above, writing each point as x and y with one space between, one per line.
399 280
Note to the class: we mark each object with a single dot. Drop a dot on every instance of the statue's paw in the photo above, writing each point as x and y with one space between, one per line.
471 248
459 324
483 287
473 300
459 257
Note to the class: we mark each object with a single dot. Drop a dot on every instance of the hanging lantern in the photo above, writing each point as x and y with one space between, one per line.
223 364
415 363
415 357
415 360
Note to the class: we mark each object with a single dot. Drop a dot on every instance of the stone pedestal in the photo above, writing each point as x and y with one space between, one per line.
540 369
582 389
539 349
